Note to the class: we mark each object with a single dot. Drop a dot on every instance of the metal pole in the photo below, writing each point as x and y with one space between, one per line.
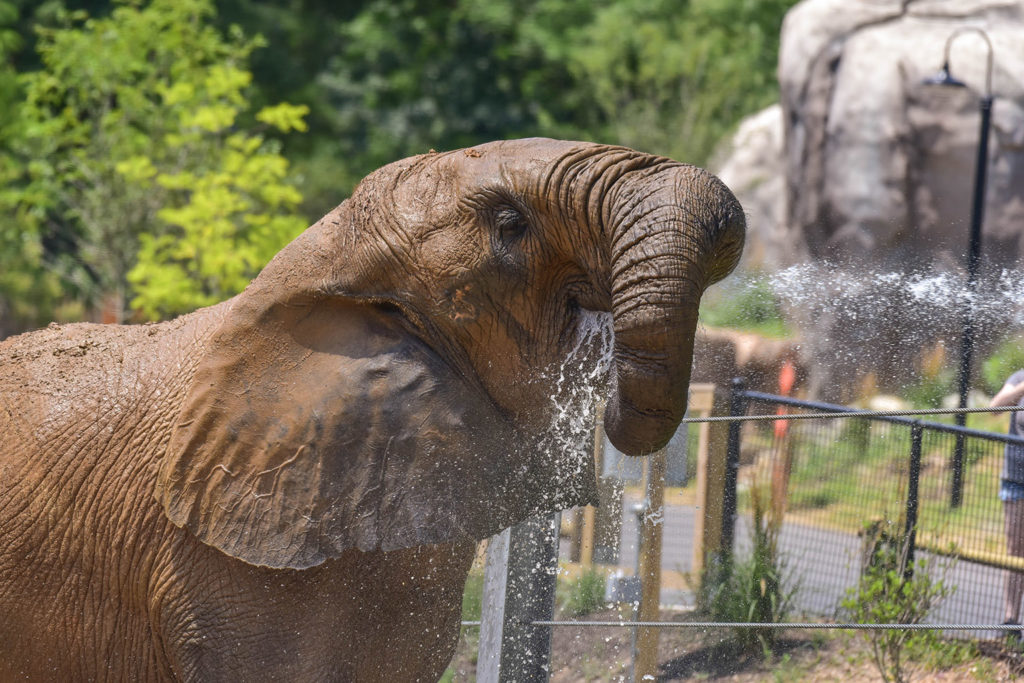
519 589
913 484
973 262
732 466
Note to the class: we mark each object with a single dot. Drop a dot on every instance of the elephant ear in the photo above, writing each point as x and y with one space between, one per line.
317 422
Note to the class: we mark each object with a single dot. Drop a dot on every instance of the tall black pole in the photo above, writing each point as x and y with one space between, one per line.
737 407
913 486
973 261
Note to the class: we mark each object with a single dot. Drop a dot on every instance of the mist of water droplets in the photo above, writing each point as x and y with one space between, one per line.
579 381
851 319
827 287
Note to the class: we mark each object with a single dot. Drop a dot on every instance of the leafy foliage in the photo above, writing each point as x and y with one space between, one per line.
890 591
583 594
929 391
28 293
136 175
416 74
754 589
754 308
138 109
1005 360
683 74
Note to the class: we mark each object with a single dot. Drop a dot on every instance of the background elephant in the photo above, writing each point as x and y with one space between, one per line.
290 485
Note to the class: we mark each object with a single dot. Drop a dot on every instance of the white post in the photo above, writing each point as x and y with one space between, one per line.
519 588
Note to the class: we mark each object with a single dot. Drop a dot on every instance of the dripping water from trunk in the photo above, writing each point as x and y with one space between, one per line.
580 383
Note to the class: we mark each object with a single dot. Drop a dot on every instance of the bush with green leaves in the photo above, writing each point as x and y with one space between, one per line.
753 589
408 75
891 590
139 167
30 293
383 79
754 307
583 594
928 392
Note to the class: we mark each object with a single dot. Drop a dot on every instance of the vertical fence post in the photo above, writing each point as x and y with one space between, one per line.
588 534
711 448
645 656
957 485
519 588
732 465
914 478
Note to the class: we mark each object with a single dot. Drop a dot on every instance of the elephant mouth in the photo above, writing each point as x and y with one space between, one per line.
577 367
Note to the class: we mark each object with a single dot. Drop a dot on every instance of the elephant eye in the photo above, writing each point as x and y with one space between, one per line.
510 223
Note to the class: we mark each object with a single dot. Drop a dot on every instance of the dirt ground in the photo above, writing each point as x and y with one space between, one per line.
687 654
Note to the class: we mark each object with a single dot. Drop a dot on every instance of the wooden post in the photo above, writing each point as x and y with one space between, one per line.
589 513
782 468
645 663
519 588
782 463
711 452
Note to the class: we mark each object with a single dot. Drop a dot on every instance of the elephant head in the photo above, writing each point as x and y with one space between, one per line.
385 382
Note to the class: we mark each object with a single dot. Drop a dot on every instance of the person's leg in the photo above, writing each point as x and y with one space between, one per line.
1014 521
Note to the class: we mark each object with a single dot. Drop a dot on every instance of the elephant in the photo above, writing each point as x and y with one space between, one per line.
291 484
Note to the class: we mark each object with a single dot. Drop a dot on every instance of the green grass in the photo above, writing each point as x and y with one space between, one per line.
473 596
753 308
844 470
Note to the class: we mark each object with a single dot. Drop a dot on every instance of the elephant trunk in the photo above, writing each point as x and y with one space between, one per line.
670 237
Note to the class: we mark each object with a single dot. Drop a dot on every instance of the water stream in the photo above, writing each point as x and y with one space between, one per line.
852 321
861 293
580 383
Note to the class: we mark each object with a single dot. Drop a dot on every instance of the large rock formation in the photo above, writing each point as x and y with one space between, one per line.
880 165
755 170
868 174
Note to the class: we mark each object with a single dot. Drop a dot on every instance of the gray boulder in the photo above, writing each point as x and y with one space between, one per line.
755 171
859 187
880 167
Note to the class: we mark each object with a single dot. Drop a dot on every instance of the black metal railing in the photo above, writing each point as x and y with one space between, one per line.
836 477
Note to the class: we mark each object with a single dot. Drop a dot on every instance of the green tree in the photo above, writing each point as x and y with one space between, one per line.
664 76
139 166
674 78
411 75
29 293
383 79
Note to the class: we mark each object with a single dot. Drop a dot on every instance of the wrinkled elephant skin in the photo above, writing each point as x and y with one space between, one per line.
290 485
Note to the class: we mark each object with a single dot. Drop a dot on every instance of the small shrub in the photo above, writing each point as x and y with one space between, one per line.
889 594
937 653
585 594
751 589
929 391
857 431
813 500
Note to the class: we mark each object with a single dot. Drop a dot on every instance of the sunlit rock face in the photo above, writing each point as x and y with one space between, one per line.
755 171
879 165
860 183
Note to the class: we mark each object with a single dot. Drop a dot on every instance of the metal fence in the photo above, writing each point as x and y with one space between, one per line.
837 481
831 479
